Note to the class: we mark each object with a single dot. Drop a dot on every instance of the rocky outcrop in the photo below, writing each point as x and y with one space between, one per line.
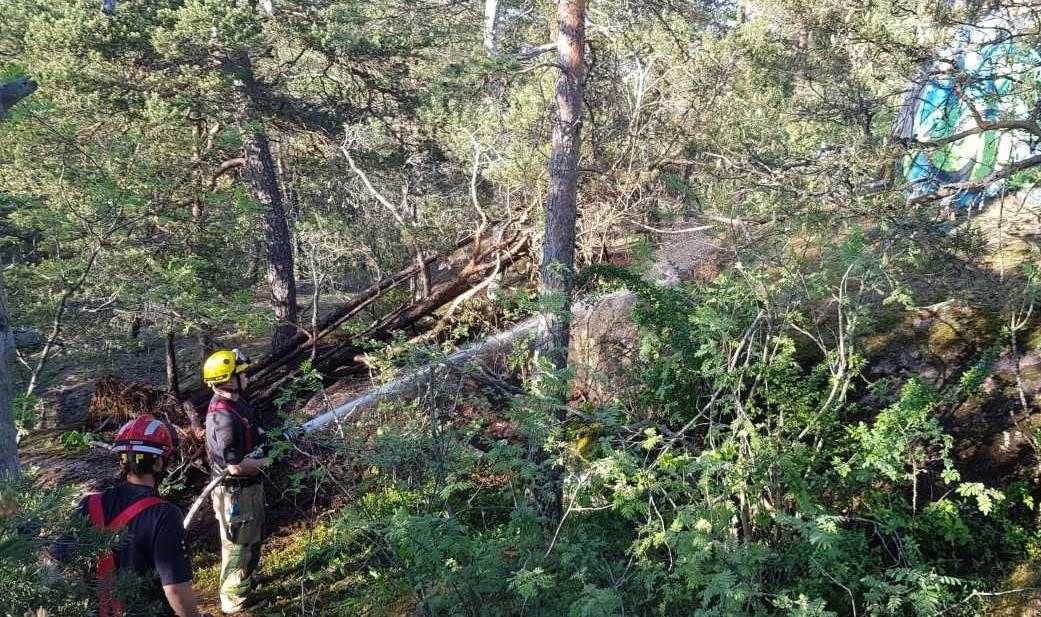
14 91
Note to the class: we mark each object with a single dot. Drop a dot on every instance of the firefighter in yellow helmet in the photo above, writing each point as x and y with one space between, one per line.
232 434
221 365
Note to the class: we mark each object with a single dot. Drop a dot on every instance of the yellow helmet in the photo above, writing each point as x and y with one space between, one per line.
220 366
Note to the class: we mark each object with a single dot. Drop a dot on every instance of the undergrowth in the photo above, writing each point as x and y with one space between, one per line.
749 474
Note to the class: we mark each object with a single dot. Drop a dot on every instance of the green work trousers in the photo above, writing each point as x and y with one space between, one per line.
240 512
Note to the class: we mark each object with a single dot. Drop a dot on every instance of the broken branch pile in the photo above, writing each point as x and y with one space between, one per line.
335 357
116 401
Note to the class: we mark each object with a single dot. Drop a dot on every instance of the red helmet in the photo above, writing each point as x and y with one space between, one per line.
146 435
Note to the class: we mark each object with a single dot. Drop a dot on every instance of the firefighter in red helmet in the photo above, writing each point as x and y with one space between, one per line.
151 545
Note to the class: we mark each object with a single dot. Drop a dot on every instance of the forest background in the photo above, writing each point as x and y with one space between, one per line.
833 412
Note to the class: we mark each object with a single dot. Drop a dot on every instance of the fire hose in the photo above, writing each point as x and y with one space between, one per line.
290 435
528 329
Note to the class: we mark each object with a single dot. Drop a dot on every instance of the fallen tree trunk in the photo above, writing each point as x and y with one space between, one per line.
271 367
332 361
305 342
604 343
274 371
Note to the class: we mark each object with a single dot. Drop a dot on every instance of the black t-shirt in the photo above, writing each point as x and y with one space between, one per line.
152 544
226 434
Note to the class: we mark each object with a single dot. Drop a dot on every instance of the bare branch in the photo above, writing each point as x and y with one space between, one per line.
478 235
368 185
535 52
673 231
224 168
983 126
954 189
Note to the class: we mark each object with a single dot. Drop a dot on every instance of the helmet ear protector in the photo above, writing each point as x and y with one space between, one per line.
241 358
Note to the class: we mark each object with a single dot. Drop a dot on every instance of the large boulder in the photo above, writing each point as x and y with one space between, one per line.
64 404
27 339
13 91
604 339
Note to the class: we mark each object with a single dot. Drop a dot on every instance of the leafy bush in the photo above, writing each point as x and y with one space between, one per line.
76 441
745 477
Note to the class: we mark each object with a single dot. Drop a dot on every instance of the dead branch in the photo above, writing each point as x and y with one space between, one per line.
273 372
954 189
224 168
302 342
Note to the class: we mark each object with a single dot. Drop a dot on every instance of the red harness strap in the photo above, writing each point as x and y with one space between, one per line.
107 565
247 435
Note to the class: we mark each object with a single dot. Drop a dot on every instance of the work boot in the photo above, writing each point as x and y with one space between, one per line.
232 609
241 608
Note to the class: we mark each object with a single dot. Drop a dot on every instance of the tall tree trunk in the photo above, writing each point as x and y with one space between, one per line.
204 345
172 384
259 173
556 272
8 433
10 93
491 26
261 181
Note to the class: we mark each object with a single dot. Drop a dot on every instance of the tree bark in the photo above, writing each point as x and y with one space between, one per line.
204 345
261 181
556 284
172 384
491 26
558 255
10 93
8 433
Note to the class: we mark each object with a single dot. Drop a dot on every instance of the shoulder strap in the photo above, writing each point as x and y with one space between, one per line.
106 570
96 510
132 511
222 404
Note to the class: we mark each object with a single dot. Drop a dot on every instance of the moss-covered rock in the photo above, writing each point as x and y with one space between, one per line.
1025 604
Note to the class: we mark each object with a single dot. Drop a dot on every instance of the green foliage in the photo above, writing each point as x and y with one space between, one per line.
307 382
733 482
903 439
76 441
971 380
23 410
48 552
